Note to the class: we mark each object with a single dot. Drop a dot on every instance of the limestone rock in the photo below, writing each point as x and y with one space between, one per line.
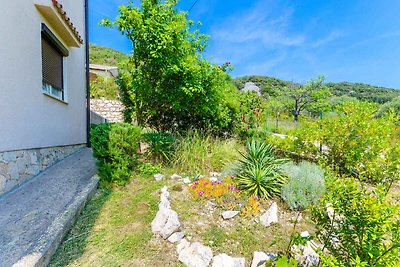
186 181
229 214
164 199
213 179
214 174
159 177
194 254
270 216
176 177
260 258
305 255
176 237
223 260
165 223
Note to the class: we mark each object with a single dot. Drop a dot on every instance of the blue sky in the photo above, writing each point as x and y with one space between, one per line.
345 40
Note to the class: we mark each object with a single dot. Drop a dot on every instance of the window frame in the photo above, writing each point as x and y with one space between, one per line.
56 44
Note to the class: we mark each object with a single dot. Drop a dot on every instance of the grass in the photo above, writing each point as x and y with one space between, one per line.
199 153
114 230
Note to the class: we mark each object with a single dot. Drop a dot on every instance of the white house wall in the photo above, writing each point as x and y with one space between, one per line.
29 118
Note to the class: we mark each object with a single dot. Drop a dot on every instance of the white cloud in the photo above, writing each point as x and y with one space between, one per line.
332 36
258 25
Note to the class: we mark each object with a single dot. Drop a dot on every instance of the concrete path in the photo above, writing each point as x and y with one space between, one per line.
35 217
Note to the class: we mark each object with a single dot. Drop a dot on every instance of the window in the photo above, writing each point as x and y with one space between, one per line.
53 53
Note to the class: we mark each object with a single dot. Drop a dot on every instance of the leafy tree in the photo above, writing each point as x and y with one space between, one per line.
169 84
311 96
393 105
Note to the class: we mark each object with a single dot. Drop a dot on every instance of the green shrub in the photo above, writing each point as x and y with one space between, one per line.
115 146
148 169
199 153
356 143
357 226
161 146
259 170
305 185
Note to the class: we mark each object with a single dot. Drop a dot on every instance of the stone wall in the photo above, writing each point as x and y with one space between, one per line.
18 166
111 110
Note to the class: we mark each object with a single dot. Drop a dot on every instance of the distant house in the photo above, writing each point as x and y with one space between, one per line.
102 70
43 86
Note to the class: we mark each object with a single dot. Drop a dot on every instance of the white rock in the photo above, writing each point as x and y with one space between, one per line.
186 181
183 244
213 179
159 177
176 176
223 260
270 216
176 237
229 214
165 223
260 258
305 234
164 199
194 254
305 255
214 174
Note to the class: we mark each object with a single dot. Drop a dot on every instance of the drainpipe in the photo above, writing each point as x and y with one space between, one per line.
87 73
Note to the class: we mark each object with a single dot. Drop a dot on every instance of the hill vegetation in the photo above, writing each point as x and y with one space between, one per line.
272 86
106 56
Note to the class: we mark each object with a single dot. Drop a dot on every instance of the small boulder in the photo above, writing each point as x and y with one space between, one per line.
229 214
186 181
260 258
213 179
305 255
194 254
223 260
176 237
165 223
214 174
159 177
270 216
176 177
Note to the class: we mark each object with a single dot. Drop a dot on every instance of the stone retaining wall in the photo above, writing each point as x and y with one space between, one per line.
18 166
111 110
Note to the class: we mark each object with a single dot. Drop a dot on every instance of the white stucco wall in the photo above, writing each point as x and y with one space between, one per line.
28 118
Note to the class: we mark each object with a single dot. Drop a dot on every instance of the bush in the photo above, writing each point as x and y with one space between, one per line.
161 146
259 171
356 143
305 185
198 153
358 226
148 169
115 146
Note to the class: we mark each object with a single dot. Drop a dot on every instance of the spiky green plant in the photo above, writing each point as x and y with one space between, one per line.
258 171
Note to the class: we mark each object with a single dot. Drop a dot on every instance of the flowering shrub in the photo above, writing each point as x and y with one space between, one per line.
252 208
205 188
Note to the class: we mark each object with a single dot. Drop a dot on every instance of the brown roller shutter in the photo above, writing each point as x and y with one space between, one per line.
52 65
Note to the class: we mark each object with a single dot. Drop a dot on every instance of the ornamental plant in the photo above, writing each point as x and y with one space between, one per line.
259 170
305 184
204 188
252 207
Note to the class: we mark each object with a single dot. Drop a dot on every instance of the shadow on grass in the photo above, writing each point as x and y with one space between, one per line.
74 243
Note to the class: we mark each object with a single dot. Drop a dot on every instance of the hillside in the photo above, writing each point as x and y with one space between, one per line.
270 86
106 56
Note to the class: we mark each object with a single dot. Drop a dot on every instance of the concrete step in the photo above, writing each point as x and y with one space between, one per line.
35 217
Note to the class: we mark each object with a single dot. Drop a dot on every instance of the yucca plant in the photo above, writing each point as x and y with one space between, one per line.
259 170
